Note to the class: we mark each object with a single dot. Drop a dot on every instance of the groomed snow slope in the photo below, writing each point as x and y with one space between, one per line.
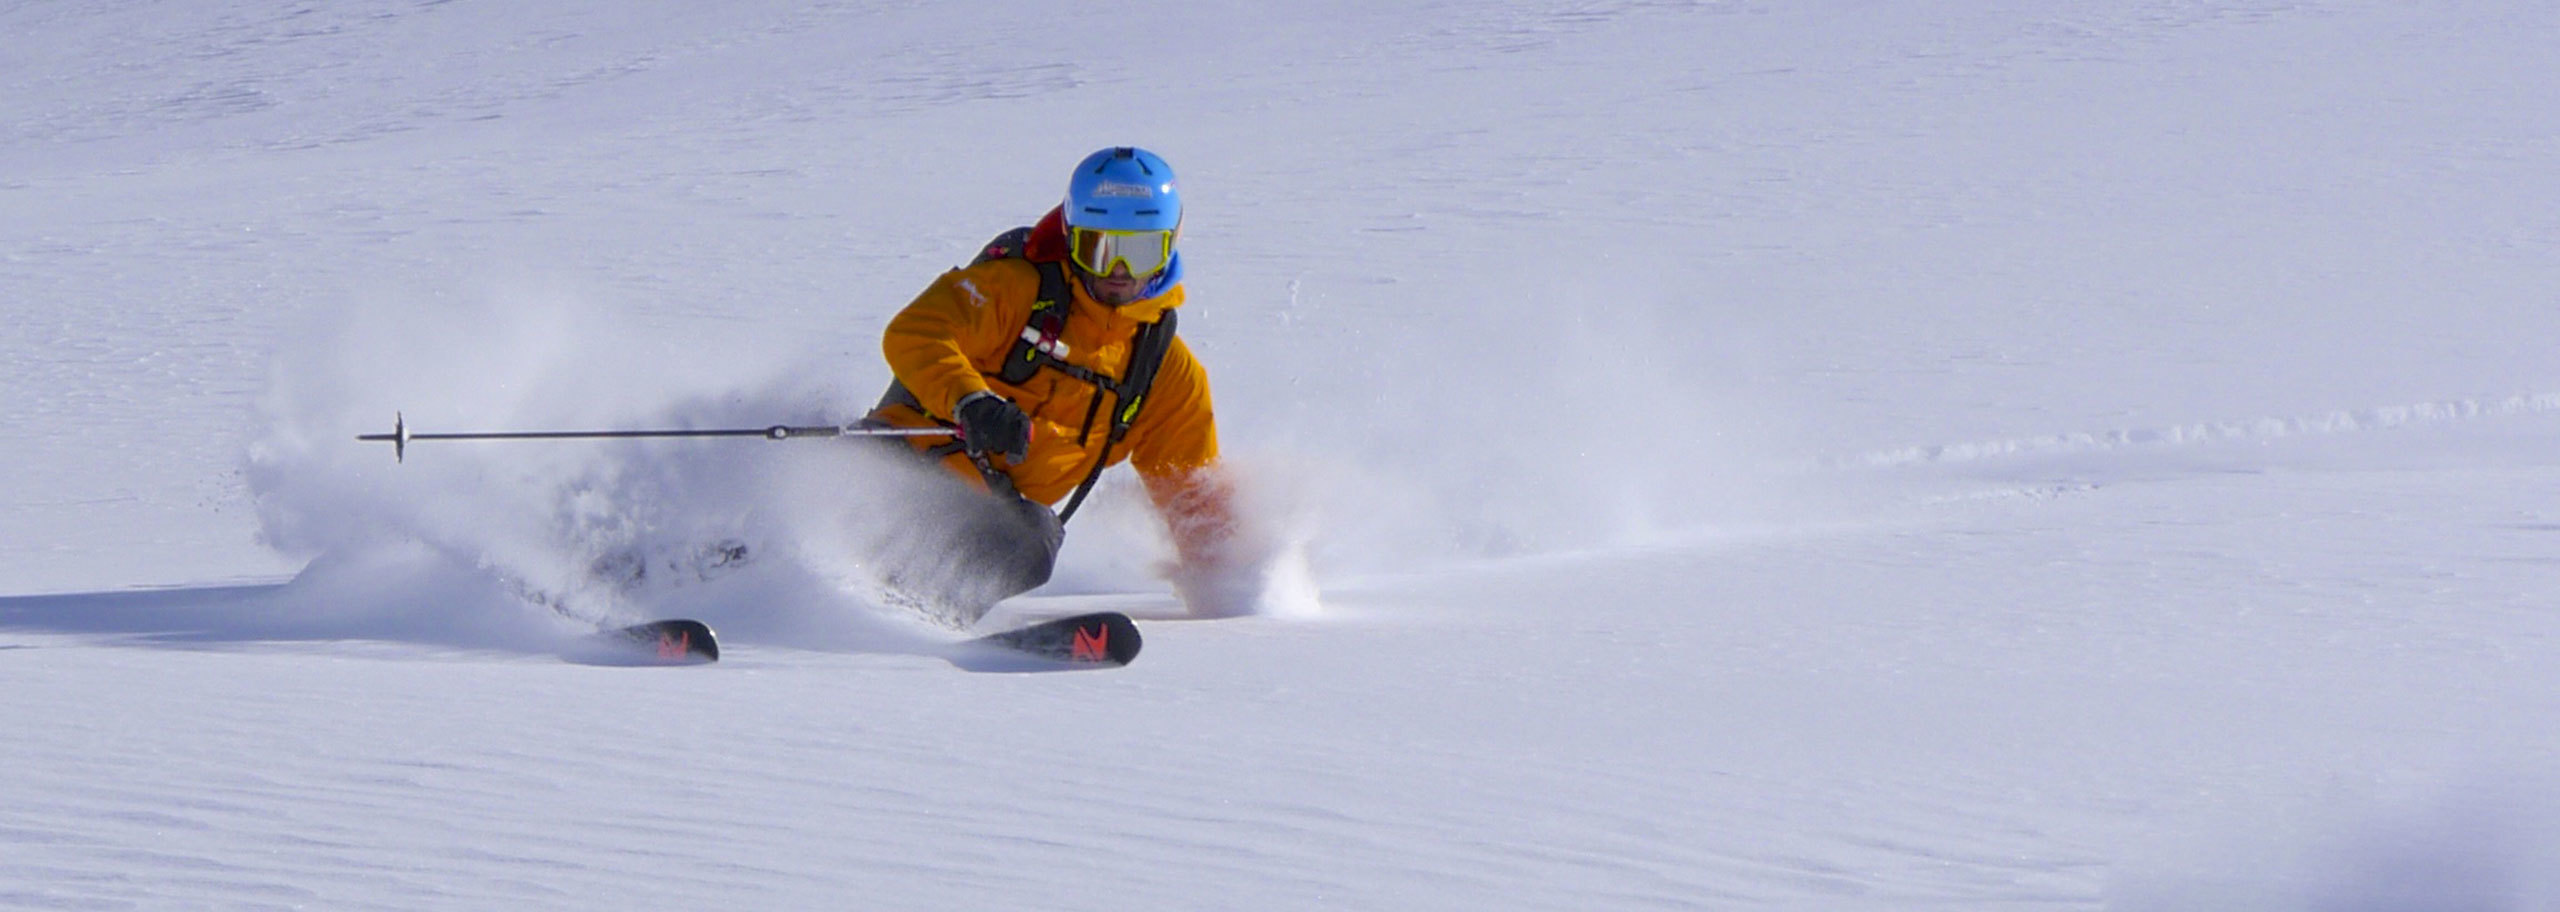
1818 455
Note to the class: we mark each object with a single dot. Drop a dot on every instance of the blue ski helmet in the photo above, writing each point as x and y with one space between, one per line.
1124 189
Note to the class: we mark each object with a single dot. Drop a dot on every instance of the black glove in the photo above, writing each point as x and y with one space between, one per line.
990 424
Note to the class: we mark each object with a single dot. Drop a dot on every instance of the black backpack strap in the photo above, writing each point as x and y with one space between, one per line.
1040 335
1146 354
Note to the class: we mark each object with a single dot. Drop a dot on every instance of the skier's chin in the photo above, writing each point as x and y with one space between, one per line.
1115 292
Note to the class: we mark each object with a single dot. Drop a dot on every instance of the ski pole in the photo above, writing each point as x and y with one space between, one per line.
401 435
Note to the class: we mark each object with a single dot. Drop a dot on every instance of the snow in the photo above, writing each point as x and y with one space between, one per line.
1820 455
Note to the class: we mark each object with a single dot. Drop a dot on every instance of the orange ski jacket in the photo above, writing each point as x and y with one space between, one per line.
952 340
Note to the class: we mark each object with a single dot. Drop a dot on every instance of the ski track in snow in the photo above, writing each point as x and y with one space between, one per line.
2264 429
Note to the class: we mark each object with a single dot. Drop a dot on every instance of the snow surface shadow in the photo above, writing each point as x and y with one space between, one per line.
200 614
415 595
211 616
197 617
2480 843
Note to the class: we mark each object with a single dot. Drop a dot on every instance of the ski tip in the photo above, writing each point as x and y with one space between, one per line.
1108 638
1105 639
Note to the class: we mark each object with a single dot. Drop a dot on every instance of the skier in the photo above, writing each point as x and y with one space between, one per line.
1052 357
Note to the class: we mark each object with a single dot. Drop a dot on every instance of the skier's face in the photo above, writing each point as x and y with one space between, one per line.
1117 264
1115 289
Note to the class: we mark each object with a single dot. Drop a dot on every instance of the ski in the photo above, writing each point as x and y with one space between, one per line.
669 642
1105 638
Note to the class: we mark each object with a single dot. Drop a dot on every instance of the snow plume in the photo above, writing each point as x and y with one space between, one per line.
600 530
1119 542
1620 411
1261 566
1254 557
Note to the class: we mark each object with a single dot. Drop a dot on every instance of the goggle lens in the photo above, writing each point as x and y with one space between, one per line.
1096 249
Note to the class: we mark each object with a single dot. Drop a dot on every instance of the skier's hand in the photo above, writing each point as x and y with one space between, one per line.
991 424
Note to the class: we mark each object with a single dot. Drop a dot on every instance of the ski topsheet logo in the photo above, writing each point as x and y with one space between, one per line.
674 645
1118 190
1091 644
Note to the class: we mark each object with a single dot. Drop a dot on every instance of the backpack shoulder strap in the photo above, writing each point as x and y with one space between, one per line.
1146 354
1039 340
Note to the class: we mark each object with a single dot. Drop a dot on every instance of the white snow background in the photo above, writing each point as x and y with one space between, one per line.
1817 455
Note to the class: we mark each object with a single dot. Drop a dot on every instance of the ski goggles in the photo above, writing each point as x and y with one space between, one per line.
1098 249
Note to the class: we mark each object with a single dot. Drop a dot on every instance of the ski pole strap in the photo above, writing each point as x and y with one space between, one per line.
998 483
